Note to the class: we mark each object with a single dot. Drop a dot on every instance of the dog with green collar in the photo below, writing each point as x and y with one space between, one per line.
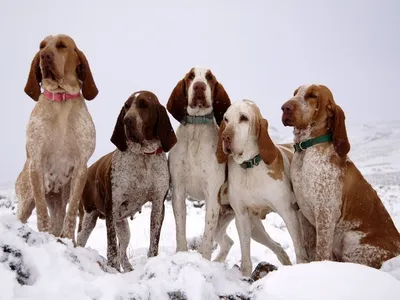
258 181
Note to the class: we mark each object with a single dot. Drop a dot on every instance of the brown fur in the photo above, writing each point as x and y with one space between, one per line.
156 120
178 100
122 181
75 63
361 209
222 157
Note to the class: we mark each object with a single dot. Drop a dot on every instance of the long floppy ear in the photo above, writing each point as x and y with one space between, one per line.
89 88
220 103
118 137
178 101
222 157
268 150
165 131
32 87
340 139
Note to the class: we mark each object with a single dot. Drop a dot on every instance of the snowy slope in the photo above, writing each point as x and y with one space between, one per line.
78 273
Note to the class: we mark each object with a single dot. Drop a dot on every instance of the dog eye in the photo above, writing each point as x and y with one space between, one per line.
126 106
311 95
191 76
226 120
209 77
243 118
61 45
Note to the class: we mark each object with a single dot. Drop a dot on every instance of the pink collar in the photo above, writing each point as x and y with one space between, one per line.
59 97
158 151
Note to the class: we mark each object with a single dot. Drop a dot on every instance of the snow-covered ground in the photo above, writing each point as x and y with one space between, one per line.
48 269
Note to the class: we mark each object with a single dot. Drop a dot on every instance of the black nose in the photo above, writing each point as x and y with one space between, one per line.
199 87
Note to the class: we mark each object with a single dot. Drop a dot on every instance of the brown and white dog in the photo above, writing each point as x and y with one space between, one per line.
347 220
198 102
122 181
60 136
258 180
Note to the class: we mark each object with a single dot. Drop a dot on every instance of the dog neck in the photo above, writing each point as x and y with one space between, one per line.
146 147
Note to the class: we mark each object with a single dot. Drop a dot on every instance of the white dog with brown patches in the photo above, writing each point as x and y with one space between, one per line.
198 102
258 178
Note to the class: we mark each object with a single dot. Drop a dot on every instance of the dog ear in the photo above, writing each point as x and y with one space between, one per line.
222 157
340 140
32 87
267 148
89 88
178 102
220 103
118 137
165 131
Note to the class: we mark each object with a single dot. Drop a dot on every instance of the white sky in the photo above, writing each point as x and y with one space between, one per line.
260 50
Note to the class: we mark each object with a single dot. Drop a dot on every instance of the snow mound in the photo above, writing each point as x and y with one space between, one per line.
34 264
326 280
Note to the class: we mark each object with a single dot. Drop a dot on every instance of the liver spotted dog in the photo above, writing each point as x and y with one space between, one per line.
344 218
122 181
60 136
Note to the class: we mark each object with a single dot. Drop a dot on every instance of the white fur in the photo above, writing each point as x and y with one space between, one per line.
200 76
253 190
196 172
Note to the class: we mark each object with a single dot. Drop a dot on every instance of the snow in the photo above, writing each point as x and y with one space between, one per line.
36 266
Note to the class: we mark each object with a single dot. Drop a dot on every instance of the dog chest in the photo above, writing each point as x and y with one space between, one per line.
316 182
137 179
255 188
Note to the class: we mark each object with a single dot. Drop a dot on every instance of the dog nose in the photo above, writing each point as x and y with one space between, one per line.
226 138
287 107
128 121
46 56
199 87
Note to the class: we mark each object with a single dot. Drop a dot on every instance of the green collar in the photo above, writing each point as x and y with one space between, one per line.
206 119
251 162
311 142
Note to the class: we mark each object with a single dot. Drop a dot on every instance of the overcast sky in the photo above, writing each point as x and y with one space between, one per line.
260 50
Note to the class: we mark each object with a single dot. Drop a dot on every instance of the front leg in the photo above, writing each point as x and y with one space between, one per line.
112 249
243 225
37 184
76 189
211 221
290 217
179 209
156 221
325 223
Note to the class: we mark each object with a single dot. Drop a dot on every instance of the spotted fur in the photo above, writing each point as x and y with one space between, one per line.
121 182
344 219
60 137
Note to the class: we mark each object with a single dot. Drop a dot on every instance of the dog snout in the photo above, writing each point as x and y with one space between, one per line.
47 56
287 107
199 87
288 113
227 140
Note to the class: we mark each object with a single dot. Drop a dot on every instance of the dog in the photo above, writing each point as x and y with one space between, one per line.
198 103
258 180
122 181
60 136
346 220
